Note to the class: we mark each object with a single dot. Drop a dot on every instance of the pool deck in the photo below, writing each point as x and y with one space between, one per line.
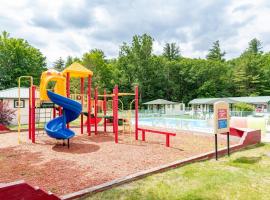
266 137
92 160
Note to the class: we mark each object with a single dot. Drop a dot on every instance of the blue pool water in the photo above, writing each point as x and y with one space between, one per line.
177 123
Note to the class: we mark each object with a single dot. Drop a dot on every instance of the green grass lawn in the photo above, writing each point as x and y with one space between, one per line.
245 175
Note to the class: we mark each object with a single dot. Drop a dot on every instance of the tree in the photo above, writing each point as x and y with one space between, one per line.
244 107
265 71
96 62
171 51
71 60
215 52
19 58
248 75
254 47
135 63
4 35
6 114
59 64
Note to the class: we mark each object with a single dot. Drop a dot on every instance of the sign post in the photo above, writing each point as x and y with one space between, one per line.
221 123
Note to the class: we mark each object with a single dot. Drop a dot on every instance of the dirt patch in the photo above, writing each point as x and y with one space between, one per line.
76 148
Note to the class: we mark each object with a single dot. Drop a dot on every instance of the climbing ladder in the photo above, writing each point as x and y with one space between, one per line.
43 117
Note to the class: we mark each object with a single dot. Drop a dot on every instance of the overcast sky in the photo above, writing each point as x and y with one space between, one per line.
72 27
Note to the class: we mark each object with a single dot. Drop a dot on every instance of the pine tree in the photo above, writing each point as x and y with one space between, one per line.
69 61
215 52
254 47
171 51
59 64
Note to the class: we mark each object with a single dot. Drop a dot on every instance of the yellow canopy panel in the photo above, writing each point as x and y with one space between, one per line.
77 70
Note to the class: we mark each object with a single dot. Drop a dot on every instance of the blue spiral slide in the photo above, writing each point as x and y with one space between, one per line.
56 128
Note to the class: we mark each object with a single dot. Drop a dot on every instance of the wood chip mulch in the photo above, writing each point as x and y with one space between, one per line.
92 160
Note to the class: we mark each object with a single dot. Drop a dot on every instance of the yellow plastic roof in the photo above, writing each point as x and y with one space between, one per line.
77 70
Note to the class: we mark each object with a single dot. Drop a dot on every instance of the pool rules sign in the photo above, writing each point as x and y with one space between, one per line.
221 117
221 122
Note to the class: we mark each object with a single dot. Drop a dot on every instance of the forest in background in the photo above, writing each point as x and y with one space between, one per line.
169 75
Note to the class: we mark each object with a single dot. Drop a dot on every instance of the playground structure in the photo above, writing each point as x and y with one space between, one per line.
67 109
87 103
115 114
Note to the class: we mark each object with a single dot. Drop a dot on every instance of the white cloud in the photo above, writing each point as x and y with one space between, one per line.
62 28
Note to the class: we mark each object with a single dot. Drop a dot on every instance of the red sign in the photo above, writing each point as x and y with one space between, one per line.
222 113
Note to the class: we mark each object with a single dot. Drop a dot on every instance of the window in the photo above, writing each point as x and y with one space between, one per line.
17 104
169 106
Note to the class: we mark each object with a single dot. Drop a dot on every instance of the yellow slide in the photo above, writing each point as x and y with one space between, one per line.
55 76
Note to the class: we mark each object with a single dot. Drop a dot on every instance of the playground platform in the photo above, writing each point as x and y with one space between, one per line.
93 160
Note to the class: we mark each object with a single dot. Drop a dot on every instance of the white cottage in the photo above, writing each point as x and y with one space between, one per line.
165 107
260 103
12 98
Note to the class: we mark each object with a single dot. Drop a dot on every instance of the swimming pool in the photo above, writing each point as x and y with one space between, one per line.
177 123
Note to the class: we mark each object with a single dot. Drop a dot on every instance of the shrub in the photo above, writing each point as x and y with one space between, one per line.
244 107
6 114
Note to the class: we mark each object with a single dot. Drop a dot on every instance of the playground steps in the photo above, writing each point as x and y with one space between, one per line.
20 190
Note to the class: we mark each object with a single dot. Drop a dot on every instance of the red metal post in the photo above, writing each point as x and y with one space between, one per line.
54 112
167 140
82 101
68 88
105 111
143 135
30 113
89 106
96 109
33 137
59 111
136 111
113 109
116 114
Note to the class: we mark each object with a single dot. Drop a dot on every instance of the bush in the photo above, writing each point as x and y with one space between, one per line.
244 107
6 114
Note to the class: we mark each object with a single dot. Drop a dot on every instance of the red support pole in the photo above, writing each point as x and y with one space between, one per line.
33 114
136 111
116 114
105 111
96 109
68 88
82 101
89 106
167 140
54 112
30 113
59 111
143 135
113 109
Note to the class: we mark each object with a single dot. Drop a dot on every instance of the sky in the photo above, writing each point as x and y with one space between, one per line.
62 28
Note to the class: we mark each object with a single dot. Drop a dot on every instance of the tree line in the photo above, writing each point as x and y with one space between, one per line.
169 75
